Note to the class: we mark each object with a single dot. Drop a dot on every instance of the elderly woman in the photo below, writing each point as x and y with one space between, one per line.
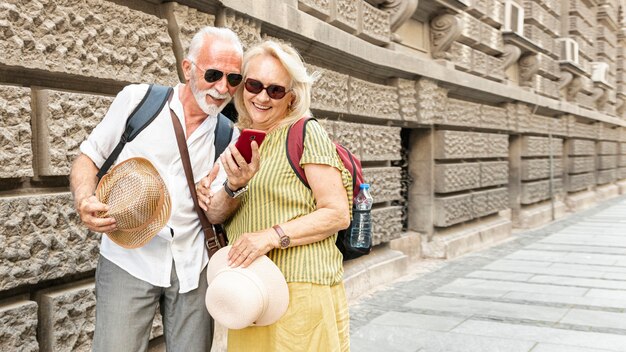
279 216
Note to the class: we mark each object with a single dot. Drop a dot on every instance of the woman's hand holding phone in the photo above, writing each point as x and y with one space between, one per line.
241 160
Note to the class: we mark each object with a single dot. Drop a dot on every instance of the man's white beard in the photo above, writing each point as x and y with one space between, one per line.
210 109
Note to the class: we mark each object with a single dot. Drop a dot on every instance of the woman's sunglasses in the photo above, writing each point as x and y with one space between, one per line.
273 91
212 75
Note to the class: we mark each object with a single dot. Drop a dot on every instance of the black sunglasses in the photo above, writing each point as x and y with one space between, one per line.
273 91
212 75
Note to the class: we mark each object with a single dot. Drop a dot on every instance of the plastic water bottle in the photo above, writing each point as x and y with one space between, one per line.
361 233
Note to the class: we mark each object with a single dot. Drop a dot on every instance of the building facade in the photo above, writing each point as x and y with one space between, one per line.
471 118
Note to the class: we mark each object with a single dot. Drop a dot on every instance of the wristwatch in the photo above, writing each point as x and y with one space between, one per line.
284 239
236 193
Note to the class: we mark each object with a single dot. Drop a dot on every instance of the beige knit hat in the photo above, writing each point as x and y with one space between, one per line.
138 200
241 297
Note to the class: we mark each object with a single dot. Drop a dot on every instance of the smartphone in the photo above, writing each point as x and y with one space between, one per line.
245 139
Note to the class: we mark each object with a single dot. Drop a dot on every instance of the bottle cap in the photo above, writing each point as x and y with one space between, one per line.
364 185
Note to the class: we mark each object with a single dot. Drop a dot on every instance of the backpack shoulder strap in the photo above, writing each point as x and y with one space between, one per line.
295 146
223 134
143 114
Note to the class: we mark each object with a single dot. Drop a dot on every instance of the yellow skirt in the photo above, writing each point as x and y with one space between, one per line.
317 319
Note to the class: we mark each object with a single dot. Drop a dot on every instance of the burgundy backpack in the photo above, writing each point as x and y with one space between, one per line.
294 149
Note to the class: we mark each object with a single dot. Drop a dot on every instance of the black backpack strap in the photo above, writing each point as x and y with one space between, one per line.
223 134
149 107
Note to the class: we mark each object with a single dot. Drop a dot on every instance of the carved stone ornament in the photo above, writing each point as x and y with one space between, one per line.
529 66
444 30
400 11
510 56
572 84
620 107
600 96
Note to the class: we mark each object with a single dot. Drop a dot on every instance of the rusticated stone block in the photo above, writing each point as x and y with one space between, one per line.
455 209
466 145
462 113
580 182
385 183
375 24
16 156
607 148
606 176
540 146
18 326
534 169
431 101
490 40
407 98
607 133
456 177
248 29
580 130
621 172
330 90
97 39
345 14
533 192
582 147
461 55
480 63
67 318
318 8
64 120
380 143
470 28
494 173
386 224
350 135
68 315
186 21
42 239
452 210
607 162
489 202
579 164
493 117
370 99
529 123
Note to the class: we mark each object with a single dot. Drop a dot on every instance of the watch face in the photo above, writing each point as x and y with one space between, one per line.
285 241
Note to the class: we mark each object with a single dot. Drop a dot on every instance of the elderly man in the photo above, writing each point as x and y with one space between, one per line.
170 268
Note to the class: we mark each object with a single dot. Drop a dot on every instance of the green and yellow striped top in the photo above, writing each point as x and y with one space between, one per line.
276 195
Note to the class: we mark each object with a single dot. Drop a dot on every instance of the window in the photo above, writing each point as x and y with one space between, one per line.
513 17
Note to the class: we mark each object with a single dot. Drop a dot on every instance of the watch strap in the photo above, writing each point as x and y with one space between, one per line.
284 239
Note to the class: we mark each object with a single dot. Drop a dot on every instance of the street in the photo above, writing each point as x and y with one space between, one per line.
560 288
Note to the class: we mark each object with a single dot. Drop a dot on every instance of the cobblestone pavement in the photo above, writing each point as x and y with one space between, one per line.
561 288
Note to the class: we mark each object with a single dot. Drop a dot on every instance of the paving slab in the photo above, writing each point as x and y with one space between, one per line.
489 308
583 339
559 288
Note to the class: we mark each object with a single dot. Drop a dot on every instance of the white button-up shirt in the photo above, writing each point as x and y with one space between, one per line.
181 241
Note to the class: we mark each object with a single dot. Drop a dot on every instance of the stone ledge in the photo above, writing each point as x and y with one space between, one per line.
606 192
379 267
539 214
580 201
458 240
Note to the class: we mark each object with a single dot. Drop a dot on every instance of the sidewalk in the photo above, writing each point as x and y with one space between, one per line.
561 288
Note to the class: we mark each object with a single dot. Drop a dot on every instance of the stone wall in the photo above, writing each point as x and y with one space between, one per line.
487 124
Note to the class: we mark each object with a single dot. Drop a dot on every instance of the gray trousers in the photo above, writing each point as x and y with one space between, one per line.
125 309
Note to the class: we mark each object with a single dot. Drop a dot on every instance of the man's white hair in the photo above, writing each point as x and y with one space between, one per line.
215 32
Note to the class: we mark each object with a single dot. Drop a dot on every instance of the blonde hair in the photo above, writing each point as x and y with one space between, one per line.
301 81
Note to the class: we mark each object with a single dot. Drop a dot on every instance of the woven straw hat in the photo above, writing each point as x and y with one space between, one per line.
241 297
137 199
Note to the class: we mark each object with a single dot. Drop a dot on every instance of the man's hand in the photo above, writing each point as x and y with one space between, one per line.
237 170
88 209
203 189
